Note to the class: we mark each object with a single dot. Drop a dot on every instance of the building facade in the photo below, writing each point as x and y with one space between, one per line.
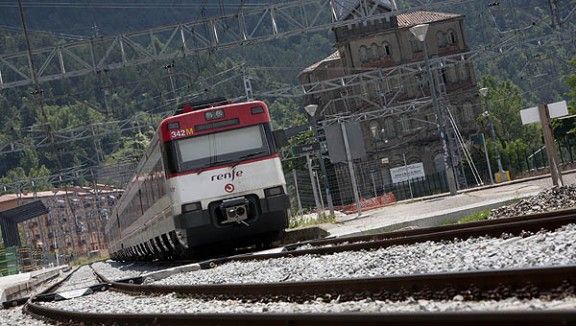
75 222
389 47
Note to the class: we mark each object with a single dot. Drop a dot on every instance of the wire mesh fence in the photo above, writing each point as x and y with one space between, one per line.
376 187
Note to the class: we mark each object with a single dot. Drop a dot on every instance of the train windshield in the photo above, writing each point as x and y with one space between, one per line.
221 148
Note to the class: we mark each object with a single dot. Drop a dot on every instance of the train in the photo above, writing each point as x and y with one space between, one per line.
210 178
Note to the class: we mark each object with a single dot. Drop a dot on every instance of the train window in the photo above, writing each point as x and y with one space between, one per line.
222 147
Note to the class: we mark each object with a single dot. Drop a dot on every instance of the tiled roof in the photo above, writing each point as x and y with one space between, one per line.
422 17
57 192
333 56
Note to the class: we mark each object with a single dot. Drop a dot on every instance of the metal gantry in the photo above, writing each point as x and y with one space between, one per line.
166 43
247 26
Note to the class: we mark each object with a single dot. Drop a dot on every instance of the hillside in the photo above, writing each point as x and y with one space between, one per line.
121 94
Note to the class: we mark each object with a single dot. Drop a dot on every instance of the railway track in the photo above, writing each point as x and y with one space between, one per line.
549 283
552 283
491 228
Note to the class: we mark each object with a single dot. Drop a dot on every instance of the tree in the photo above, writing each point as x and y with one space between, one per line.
565 129
504 102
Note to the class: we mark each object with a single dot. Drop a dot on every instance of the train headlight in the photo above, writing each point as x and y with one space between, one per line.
274 191
191 207
214 115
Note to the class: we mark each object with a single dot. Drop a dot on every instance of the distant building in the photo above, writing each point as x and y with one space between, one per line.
389 44
75 223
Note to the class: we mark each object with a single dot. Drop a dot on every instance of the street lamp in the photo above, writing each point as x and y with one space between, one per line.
311 110
484 93
420 31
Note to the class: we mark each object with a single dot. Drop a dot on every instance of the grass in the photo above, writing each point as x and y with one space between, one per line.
310 220
85 260
476 217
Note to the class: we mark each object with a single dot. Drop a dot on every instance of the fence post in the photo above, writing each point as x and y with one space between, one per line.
298 200
351 169
313 182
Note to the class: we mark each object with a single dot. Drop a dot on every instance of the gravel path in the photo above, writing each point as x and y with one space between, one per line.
540 249
111 302
117 271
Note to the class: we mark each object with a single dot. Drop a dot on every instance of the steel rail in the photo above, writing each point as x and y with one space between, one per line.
523 283
434 229
550 318
50 289
472 285
492 228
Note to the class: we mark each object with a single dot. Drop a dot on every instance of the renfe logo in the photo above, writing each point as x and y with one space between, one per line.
228 176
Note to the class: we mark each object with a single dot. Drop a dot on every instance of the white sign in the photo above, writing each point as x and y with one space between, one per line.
558 109
412 171
531 115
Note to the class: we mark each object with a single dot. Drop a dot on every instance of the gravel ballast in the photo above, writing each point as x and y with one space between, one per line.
82 278
117 271
551 199
15 316
112 302
532 250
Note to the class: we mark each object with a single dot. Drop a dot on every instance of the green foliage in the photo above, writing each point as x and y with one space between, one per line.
476 217
131 148
504 101
565 129
287 113
311 220
140 94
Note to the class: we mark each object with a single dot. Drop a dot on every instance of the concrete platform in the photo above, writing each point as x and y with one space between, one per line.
438 210
23 285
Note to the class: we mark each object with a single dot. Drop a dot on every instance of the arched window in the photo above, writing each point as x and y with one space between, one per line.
463 71
370 53
363 53
390 127
375 51
416 45
452 75
439 163
375 129
468 112
452 40
386 49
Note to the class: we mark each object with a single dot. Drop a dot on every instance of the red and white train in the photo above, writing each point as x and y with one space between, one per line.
211 175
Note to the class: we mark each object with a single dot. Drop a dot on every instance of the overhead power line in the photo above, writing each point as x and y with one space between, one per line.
247 26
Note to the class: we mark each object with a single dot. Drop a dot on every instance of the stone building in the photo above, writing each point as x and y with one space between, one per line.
389 46
75 222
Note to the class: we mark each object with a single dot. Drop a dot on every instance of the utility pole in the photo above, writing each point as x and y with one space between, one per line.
170 70
551 149
555 14
311 110
487 159
351 169
313 182
37 92
247 84
503 176
420 31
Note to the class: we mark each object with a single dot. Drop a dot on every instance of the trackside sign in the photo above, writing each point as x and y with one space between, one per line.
409 172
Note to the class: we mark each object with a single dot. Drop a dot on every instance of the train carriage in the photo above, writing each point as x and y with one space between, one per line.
211 175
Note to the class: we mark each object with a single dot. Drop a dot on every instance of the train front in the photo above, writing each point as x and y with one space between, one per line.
224 175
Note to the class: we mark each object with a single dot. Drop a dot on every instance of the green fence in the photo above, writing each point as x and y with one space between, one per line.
9 261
